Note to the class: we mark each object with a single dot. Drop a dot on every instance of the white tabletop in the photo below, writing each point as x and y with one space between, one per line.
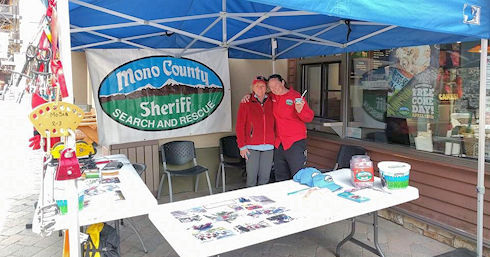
138 199
321 207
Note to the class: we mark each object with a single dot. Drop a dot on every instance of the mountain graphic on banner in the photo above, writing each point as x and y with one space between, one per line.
170 87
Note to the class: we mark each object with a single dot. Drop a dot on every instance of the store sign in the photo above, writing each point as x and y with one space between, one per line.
412 81
447 97
142 95
160 93
423 101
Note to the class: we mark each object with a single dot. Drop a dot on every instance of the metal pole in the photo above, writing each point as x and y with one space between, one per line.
273 49
223 23
71 190
480 188
65 46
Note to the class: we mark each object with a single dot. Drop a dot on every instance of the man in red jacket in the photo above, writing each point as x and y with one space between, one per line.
291 112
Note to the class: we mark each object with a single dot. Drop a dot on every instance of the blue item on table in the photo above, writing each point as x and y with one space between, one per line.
305 176
325 181
353 197
314 178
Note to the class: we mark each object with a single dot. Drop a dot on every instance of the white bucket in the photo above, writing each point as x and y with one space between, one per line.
394 174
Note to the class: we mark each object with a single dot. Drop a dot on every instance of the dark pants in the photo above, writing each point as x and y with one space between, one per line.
288 162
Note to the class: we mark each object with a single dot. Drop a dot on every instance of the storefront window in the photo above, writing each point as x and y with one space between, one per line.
424 97
322 83
321 78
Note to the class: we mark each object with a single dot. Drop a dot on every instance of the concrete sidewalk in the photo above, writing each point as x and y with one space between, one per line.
19 188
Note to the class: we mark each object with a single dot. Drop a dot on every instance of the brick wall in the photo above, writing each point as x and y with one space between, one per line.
433 232
291 76
447 191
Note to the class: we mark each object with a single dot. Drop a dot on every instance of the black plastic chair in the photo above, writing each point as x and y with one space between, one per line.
140 168
229 155
180 153
345 154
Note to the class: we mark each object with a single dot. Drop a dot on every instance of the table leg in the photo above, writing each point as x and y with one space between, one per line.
116 226
376 249
348 238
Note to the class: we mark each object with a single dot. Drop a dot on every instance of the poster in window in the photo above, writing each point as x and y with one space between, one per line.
374 103
412 81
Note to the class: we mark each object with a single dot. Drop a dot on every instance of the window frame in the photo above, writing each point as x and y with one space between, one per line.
323 61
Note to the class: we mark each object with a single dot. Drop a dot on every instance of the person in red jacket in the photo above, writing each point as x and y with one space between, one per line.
291 112
255 133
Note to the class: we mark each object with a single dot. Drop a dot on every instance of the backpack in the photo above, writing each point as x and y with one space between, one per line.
103 241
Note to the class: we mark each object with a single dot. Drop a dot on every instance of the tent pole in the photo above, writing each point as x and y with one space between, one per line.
289 32
481 146
334 25
65 46
273 57
145 22
223 15
253 24
254 39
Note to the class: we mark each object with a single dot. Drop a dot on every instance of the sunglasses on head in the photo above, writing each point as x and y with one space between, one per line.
261 78
275 76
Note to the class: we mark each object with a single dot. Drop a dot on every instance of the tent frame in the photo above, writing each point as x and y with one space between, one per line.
235 42
480 187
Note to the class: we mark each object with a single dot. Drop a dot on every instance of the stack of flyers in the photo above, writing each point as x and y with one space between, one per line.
262 199
227 216
247 227
268 211
113 180
251 206
280 219
185 217
213 234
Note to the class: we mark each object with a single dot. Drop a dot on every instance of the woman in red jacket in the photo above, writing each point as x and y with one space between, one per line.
291 112
255 133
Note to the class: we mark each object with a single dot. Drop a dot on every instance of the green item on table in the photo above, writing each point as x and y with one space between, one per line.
92 174
63 204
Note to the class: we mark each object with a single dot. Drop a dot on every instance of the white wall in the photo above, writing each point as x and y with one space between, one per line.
242 72
31 12
80 78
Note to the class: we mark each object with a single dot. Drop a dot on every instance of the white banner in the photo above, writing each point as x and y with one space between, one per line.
143 94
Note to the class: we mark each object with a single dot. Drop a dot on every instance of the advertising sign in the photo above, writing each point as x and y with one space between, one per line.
146 95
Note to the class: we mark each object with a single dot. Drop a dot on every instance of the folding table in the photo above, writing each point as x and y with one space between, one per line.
319 208
138 200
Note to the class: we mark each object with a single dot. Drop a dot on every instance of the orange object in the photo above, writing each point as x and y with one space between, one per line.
66 245
362 172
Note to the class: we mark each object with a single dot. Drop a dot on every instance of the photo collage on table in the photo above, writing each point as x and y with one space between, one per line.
218 220
100 191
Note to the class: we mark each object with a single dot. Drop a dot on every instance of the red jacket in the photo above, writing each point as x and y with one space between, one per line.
255 123
290 125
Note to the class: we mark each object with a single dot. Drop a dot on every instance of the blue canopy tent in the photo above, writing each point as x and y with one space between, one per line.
274 29
246 28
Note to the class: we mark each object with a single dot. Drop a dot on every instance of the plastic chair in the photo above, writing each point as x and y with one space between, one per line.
180 153
140 168
229 155
345 154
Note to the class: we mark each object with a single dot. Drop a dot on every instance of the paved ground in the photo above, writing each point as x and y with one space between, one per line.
19 185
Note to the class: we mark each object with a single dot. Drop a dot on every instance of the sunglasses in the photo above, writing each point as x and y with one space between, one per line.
261 78
275 76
